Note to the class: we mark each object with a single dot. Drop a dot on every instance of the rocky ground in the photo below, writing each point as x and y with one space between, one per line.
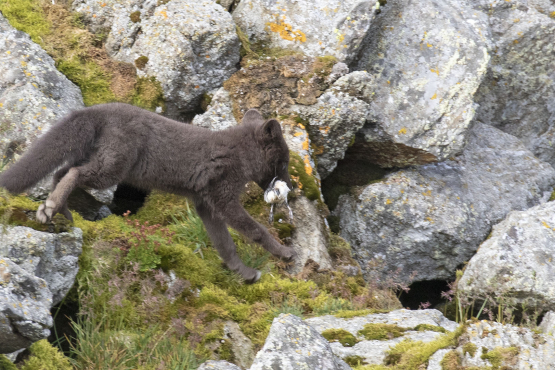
421 150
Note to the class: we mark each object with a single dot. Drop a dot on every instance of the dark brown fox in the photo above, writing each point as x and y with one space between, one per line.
108 144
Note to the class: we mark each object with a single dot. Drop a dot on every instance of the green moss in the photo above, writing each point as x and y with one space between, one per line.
141 62
354 360
27 16
205 101
381 331
499 356
469 348
303 180
6 364
552 197
46 357
340 335
245 44
90 77
428 327
135 16
148 94
347 314
451 361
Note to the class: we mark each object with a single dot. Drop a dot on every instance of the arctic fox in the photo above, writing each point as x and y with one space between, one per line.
108 144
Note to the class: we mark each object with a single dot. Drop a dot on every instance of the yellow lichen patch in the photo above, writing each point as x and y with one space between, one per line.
388 201
305 144
307 166
434 97
297 134
427 193
436 71
286 31
403 131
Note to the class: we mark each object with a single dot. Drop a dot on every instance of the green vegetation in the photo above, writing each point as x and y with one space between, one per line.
381 331
451 361
135 17
500 356
301 178
469 348
354 360
340 335
141 62
45 357
80 55
428 327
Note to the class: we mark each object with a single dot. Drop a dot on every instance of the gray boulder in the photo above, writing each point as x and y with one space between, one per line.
33 95
373 352
51 257
516 261
427 59
510 347
517 94
218 365
315 28
334 120
191 47
547 325
292 344
219 113
431 219
25 303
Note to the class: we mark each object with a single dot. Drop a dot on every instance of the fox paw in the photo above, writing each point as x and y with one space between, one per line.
46 211
255 278
288 254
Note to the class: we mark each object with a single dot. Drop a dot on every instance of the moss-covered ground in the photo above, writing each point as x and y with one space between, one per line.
80 55
151 283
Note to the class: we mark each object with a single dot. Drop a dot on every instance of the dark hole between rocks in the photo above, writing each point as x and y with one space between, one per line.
424 291
127 198
62 334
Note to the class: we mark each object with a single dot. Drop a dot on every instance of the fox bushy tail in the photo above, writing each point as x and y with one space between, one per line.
67 141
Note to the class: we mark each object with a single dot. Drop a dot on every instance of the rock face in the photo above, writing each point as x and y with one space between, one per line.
309 239
33 94
36 270
517 95
241 345
432 218
516 261
191 47
427 59
219 113
373 352
218 365
334 120
315 28
486 343
293 344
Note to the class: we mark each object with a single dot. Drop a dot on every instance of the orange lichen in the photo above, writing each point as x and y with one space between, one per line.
307 166
286 31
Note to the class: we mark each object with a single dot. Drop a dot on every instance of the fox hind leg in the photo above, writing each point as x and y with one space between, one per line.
57 200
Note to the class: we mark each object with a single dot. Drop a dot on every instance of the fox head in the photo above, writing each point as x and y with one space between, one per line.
274 154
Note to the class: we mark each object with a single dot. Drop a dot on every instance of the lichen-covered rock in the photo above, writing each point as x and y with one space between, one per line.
517 261
309 239
432 218
334 120
25 303
517 94
191 47
241 345
315 28
33 94
52 257
547 325
219 113
486 344
427 59
373 352
292 344
218 365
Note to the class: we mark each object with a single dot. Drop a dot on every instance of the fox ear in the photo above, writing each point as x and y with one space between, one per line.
253 117
271 130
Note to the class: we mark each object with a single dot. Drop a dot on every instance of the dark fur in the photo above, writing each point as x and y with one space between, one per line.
107 144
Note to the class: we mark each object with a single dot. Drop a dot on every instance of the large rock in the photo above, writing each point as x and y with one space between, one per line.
315 28
292 344
25 303
37 269
517 94
334 120
431 219
427 59
486 344
373 352
219 113
517 261
52 257
191 47
218 365
33 95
